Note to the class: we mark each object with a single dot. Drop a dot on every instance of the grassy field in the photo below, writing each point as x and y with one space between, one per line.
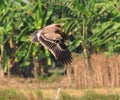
30 89
51 94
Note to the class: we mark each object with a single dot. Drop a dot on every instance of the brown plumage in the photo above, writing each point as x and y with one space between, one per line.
52 37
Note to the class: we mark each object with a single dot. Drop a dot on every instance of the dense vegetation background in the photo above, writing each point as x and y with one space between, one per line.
92 27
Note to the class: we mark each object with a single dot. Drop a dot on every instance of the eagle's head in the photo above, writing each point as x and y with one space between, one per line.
34 37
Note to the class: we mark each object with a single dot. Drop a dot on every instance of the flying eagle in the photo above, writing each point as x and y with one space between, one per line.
52 37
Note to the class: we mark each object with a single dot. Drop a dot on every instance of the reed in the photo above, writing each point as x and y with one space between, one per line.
105 72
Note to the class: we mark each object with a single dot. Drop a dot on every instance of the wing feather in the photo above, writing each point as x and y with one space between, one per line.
57 48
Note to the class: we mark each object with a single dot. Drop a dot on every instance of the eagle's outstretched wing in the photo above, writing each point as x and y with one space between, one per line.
57 48
54 42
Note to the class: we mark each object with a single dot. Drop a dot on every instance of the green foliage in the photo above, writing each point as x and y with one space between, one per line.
36 94
90 96
17 21
94 96
107 28
92 26
13 94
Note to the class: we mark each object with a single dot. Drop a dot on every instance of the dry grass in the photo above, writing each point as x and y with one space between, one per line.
65 94
30 89
79 83
104 73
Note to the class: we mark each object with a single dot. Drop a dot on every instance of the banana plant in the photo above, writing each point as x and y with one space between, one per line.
4 37
92 25
77 22
18 19
37 19
3 54
106 35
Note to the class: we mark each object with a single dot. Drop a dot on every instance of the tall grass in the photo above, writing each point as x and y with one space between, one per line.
14 94
95 96
90 96
28 94
105 72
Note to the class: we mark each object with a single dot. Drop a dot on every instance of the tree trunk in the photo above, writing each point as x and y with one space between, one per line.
9 74
36 65
1 71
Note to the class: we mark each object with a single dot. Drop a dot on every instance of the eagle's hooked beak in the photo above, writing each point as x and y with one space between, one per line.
34 37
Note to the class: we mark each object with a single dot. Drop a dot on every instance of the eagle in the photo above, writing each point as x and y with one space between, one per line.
52 37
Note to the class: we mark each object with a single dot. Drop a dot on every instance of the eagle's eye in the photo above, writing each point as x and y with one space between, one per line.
35 32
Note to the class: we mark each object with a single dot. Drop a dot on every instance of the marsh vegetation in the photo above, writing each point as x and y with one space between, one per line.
28 70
